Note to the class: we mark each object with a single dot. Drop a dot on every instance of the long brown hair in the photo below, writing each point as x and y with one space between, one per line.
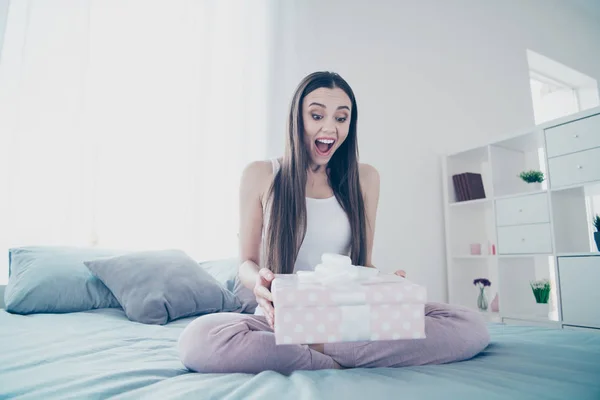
287 223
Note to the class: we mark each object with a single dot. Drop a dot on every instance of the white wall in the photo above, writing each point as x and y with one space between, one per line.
3 16
430 77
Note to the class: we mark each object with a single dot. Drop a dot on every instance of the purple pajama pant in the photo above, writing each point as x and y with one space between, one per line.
229 343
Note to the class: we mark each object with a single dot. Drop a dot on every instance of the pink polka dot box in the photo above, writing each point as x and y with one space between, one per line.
348 304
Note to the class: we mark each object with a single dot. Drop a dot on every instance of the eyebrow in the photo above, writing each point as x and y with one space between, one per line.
323 105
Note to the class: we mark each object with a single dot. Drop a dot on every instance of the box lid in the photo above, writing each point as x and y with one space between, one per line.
292 290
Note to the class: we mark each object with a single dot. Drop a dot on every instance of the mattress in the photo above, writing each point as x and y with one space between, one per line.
101 354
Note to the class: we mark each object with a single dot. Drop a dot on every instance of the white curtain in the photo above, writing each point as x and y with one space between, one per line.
126 124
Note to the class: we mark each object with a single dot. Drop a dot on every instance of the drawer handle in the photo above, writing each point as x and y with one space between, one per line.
575 136
580 167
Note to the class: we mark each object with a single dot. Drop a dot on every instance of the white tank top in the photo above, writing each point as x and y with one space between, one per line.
327 231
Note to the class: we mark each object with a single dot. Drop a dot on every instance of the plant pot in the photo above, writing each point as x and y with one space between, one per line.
482 302
535 185
597 239
542 310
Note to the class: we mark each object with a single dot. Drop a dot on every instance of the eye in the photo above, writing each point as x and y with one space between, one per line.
316 117
341 119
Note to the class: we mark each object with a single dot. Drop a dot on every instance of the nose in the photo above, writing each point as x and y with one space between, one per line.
328 126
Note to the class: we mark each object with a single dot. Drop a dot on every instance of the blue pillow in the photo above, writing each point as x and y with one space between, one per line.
157 287
55 280
226 272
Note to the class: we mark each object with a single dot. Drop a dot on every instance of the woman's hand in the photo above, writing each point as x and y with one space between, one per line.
401 273
264 297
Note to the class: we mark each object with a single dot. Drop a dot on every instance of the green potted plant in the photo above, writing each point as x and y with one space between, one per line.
541 292
532 176
596 222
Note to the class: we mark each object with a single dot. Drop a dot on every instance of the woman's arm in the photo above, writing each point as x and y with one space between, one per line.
369 181
369 178
251 220
255 180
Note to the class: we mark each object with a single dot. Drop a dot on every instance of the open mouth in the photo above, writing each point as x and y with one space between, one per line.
324 146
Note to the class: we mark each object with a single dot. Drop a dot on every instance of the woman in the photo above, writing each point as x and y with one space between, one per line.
316 199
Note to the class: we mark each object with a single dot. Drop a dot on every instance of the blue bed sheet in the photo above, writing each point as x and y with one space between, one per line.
101 354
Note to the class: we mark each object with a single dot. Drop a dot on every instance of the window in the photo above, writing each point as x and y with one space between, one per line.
558 90
130 138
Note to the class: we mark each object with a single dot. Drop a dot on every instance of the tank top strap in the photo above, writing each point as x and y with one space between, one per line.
276 165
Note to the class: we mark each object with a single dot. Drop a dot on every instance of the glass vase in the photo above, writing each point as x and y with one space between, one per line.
482 301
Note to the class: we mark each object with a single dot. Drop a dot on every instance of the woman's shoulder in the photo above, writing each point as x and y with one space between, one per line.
368 174
259 169
257 176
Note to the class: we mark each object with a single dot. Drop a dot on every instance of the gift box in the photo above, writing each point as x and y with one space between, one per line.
346 304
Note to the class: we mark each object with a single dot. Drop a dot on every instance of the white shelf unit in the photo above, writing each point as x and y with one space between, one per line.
529 231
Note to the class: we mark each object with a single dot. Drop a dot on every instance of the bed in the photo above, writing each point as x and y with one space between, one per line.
101 353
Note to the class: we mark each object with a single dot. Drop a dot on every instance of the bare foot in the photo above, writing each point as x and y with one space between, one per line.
321 349
318 347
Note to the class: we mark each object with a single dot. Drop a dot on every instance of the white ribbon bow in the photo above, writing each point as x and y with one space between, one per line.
336 269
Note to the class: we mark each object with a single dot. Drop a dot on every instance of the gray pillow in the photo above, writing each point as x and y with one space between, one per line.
157 287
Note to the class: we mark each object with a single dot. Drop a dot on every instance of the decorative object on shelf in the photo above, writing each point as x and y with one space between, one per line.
482 302
494 306
542 310
475 249
532 176
596 223
541 291
468 186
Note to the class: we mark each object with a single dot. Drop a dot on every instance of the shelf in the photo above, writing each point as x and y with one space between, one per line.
469 202
529 317
512 156
572 215
491 316
570 187
511 208
582 254
473 256
510 196
515 275
569 118
473 224
525 255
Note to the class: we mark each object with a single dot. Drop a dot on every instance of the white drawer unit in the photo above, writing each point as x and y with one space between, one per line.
529 209
579 279
525 239
574 169
579 135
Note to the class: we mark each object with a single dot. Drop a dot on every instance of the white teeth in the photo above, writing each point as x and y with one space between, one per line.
326 141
